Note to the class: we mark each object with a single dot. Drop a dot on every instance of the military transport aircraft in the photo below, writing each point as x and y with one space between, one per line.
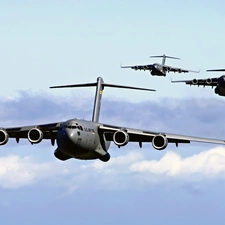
218 82
83 139
159 69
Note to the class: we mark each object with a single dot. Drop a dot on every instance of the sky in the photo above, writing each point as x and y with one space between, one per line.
45 43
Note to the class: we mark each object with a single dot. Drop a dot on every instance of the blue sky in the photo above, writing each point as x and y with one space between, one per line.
45 43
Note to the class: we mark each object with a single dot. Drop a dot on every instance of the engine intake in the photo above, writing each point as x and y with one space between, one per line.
35 135
194 81
4 137
159 142
121 138
209 81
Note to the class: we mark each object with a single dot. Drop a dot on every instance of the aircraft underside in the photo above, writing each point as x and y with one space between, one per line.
77 141
158 72
220 90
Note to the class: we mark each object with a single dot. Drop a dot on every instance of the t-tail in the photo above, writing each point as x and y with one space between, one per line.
100 84
163 57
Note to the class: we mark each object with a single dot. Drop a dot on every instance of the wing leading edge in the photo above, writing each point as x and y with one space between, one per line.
179 70
33 132
140 67
157 138
212 82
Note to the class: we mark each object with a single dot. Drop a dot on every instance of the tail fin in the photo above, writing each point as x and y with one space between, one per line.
164 57
98 94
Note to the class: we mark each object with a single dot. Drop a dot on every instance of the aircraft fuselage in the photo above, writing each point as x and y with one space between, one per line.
158 70
79 139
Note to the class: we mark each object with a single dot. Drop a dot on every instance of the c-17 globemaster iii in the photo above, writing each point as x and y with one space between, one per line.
157 69
83 139
217 82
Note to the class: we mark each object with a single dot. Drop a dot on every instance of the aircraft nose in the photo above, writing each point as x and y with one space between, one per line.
72 135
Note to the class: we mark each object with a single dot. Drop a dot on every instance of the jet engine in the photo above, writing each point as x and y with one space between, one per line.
159 142
209 81
194 81
4 137
121 138
35 136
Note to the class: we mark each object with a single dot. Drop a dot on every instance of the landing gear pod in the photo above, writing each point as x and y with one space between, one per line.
35 136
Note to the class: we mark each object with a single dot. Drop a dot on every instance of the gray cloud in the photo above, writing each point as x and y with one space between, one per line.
201 117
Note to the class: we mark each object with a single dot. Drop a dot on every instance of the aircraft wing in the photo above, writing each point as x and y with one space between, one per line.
200 82
49 131
136 135
139 67
176 69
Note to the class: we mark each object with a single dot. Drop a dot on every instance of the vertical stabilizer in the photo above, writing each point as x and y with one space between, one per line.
163 59
98 99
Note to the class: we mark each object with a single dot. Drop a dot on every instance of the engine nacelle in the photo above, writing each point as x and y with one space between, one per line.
194 81
209 81
121 138
159 142
4 137
35 136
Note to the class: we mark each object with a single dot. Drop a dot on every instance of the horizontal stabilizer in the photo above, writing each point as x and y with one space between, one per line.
76 85
216 70
127 87
100 84
163 56
103 85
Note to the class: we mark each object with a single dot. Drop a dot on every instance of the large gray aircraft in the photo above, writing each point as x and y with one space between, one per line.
159 69
217 82
82 139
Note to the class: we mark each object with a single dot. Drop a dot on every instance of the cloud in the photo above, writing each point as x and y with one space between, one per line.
16 171
202 117
198 117
131 170
207 164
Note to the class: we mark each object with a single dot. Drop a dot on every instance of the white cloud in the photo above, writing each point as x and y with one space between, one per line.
209 163
126 171
16 171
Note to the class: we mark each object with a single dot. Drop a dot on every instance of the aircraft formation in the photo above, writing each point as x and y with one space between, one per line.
86 140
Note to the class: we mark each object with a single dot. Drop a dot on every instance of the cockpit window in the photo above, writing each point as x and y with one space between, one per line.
74 127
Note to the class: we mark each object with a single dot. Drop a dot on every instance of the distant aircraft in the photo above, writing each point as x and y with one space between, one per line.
218 82
159 69
83 139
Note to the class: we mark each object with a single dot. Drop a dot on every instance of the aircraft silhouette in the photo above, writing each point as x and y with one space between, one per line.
159 69
83 139
217 82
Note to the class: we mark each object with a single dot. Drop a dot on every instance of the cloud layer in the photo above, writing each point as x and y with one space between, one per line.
121 172
202 117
